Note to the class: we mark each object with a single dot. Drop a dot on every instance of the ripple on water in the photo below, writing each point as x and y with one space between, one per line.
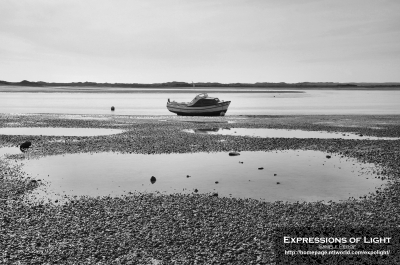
302 175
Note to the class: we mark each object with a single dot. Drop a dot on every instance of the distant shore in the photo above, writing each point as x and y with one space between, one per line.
99 89
182 87
18 89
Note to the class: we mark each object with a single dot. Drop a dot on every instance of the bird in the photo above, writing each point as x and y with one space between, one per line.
24 146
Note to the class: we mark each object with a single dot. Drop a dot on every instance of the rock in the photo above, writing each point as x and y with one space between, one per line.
234 154
25 146
260 168
196 190
328 156
215 194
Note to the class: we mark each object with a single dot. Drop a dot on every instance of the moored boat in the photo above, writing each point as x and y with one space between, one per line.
201 105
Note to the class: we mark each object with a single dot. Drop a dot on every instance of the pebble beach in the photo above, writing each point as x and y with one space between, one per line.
154 228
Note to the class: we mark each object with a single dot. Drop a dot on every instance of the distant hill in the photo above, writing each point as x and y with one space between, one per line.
176 84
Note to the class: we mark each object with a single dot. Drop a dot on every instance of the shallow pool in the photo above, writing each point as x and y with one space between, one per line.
58 131
282 175
282 133
4 151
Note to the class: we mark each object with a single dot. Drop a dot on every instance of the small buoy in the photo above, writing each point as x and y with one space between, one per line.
112 108
216 182
260 168
188 176
275 174
152 179
278 183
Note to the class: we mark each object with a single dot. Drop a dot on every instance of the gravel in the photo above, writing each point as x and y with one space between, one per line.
145 228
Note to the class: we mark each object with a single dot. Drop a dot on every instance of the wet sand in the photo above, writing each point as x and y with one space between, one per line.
181 229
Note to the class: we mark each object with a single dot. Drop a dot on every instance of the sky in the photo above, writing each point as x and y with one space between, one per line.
226 41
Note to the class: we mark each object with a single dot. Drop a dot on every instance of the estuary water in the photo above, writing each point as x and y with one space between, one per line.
261 102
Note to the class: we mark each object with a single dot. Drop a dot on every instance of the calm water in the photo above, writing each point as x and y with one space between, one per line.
302 175
281 133
310 102
58 131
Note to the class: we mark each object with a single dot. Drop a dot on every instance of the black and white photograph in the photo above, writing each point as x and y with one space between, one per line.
159 132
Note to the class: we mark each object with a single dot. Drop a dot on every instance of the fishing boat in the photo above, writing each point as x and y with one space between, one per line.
201 105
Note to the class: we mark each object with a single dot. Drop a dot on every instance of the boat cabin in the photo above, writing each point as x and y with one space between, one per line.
202 100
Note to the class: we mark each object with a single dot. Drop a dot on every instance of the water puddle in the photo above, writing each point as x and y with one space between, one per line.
282 133
58 131
282 175
79 117
4 151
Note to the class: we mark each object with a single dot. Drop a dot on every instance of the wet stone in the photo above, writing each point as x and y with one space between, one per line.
155 228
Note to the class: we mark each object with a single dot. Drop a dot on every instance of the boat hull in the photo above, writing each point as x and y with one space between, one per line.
215 110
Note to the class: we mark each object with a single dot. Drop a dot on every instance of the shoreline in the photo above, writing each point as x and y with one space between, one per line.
141 228
85 89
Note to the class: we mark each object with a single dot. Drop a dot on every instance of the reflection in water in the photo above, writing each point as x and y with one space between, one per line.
58 131
302 175
206 130
281 133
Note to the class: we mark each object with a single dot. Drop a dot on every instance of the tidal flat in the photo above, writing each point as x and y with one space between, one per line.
155 228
